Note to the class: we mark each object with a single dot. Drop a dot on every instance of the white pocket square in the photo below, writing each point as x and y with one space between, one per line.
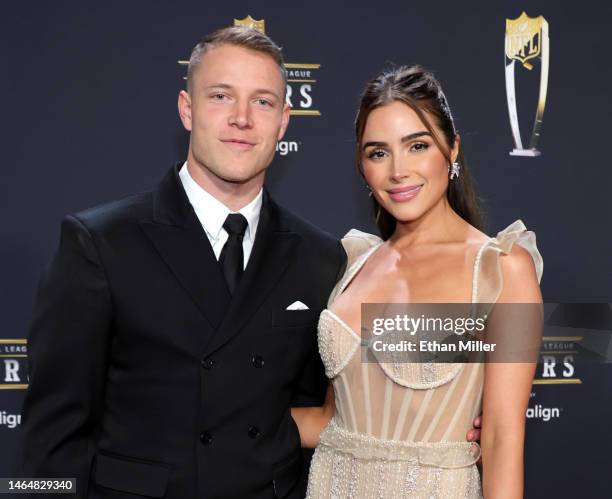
297 305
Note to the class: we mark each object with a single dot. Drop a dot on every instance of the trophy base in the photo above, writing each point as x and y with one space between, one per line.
525 152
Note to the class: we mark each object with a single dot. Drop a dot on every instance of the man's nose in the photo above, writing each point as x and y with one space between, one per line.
241 115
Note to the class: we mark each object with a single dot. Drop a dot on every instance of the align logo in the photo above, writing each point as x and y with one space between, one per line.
544 413
284 147
11 421
541 412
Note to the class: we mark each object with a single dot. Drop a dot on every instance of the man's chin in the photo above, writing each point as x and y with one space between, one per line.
239 175
240 178
237 181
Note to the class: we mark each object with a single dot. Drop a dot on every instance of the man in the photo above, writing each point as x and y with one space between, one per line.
174 329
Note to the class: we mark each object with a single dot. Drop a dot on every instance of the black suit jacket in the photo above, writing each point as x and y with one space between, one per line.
147 379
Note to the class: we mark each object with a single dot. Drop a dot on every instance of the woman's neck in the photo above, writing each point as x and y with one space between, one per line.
439 224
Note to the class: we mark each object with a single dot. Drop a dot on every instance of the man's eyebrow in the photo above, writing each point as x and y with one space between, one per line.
258 91
219 85
267 92
406 138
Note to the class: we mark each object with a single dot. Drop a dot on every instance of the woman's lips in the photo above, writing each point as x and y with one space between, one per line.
400 194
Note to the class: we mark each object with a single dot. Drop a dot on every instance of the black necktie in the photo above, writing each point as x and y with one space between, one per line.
232 257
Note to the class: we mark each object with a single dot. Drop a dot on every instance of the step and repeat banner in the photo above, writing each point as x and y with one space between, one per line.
89 103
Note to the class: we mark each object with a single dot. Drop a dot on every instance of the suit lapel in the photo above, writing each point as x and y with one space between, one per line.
274 250
178 236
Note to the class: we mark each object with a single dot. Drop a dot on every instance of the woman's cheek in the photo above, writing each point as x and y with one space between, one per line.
373 176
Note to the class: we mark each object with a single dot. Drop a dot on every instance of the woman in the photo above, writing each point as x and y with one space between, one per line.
398 429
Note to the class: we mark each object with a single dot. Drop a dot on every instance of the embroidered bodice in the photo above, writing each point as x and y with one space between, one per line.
417 402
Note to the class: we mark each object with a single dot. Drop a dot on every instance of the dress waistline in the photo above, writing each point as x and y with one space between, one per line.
448 455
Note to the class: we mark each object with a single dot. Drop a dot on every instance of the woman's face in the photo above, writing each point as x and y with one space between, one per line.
402 164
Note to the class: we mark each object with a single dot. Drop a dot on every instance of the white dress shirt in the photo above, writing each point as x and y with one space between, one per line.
212 214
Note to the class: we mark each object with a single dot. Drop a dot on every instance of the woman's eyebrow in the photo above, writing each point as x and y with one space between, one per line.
406 138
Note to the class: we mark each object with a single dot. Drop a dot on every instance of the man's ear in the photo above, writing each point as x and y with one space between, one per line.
184 109
284 121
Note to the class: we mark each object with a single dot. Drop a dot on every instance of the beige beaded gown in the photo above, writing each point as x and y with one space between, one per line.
399 429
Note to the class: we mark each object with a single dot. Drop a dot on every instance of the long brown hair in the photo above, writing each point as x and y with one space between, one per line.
418 88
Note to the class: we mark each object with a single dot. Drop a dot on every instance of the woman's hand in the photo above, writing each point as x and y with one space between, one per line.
312 420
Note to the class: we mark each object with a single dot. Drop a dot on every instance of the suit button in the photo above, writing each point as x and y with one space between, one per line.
207 364
206 438
257 361
254 432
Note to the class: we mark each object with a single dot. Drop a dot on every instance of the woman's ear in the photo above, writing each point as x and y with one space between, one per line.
455 149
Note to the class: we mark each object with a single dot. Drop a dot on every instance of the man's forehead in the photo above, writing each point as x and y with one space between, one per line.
231 55
230 67
230 58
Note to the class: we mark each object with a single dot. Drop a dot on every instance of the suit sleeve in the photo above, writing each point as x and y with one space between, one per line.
67 358
312 383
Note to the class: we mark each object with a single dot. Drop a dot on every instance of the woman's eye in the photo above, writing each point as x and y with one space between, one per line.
376 154
419 146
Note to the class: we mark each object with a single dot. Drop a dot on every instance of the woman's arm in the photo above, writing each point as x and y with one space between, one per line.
311 420
508 384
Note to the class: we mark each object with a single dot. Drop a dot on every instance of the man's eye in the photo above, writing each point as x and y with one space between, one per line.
218 97
376 154
419 146
263 102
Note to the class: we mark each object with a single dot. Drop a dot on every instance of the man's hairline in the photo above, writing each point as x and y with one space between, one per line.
213 45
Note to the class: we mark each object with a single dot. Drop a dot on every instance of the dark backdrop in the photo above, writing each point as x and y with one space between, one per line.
89 105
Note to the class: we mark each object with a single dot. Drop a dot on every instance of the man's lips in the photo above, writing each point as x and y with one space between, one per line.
238 144
405 193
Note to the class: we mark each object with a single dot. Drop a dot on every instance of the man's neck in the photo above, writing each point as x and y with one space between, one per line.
234 195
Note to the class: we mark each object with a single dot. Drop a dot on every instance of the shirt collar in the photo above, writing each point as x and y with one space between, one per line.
212 213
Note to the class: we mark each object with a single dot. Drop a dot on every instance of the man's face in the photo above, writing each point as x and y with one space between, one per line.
236 113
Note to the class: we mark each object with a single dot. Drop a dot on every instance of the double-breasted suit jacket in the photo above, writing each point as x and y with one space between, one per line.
147 379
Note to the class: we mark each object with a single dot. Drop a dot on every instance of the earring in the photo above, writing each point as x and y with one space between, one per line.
369 190
454 170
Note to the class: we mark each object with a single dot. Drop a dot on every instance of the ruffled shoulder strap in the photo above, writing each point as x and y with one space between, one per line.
488 280
357 244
